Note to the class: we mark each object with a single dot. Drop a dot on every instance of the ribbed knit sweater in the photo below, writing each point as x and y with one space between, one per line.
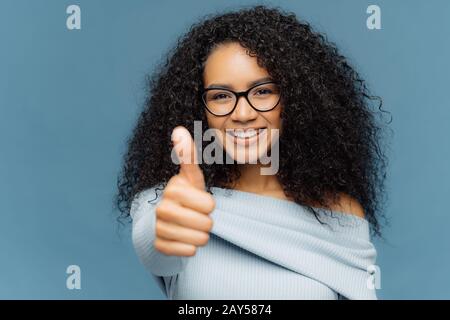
261 247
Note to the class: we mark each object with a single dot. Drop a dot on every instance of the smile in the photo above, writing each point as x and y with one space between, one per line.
245 136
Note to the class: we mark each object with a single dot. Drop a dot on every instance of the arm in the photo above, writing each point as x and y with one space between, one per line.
143 235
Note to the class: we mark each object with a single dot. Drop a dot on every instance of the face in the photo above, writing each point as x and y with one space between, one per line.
246 134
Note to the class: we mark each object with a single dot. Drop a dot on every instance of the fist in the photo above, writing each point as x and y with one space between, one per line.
182 216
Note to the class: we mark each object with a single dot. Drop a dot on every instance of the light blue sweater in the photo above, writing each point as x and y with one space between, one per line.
261 247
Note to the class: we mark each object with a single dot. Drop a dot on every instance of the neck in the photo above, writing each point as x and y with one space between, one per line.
251 180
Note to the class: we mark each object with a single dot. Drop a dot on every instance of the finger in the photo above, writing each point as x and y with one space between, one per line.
174 213
175 232
190 197
187 157
174 248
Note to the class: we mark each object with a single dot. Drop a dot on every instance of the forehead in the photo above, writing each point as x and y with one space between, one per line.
231 64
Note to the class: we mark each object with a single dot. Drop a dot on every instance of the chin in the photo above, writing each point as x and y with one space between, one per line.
247 155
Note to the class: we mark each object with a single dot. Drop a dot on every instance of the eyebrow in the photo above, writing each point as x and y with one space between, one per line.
249 85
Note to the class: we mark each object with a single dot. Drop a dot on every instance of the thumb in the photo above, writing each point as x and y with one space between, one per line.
186 152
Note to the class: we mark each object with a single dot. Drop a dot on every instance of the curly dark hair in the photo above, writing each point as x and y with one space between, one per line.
331 137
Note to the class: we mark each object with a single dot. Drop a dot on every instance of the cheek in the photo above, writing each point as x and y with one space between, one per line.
215 122
210 121
275 118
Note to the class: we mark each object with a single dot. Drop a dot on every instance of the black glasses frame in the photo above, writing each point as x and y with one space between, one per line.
238 95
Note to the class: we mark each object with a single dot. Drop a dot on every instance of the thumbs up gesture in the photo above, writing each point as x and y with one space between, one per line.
182 216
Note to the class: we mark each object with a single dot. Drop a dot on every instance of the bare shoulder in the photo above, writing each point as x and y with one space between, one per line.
348 204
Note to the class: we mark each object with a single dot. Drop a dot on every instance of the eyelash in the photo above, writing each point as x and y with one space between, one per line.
264 89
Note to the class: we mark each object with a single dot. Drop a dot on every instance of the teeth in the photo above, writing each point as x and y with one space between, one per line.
243 134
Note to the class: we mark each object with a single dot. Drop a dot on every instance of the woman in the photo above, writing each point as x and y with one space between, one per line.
227 231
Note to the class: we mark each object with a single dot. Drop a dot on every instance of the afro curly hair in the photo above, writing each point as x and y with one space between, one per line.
331 139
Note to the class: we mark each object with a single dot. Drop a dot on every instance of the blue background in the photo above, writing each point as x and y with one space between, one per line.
69 99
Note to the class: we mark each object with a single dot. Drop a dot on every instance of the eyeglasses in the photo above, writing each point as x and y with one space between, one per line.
262 97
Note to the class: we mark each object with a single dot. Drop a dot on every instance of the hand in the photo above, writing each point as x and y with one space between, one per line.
182 216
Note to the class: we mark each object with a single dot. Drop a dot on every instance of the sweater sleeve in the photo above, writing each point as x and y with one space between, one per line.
163 267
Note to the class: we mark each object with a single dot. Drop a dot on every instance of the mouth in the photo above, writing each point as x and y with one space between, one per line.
246 136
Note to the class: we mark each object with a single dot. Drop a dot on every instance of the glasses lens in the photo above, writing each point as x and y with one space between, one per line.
264 97
219 101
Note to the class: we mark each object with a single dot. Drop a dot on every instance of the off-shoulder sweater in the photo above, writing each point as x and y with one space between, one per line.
261 247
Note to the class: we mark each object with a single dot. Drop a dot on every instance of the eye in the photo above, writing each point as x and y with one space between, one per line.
219 96
263 91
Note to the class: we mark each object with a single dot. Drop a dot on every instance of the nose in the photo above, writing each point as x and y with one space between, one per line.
243 111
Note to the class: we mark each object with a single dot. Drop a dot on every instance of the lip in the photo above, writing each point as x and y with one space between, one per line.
246 141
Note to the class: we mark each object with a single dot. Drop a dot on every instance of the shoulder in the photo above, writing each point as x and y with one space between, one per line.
145 199
349 205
